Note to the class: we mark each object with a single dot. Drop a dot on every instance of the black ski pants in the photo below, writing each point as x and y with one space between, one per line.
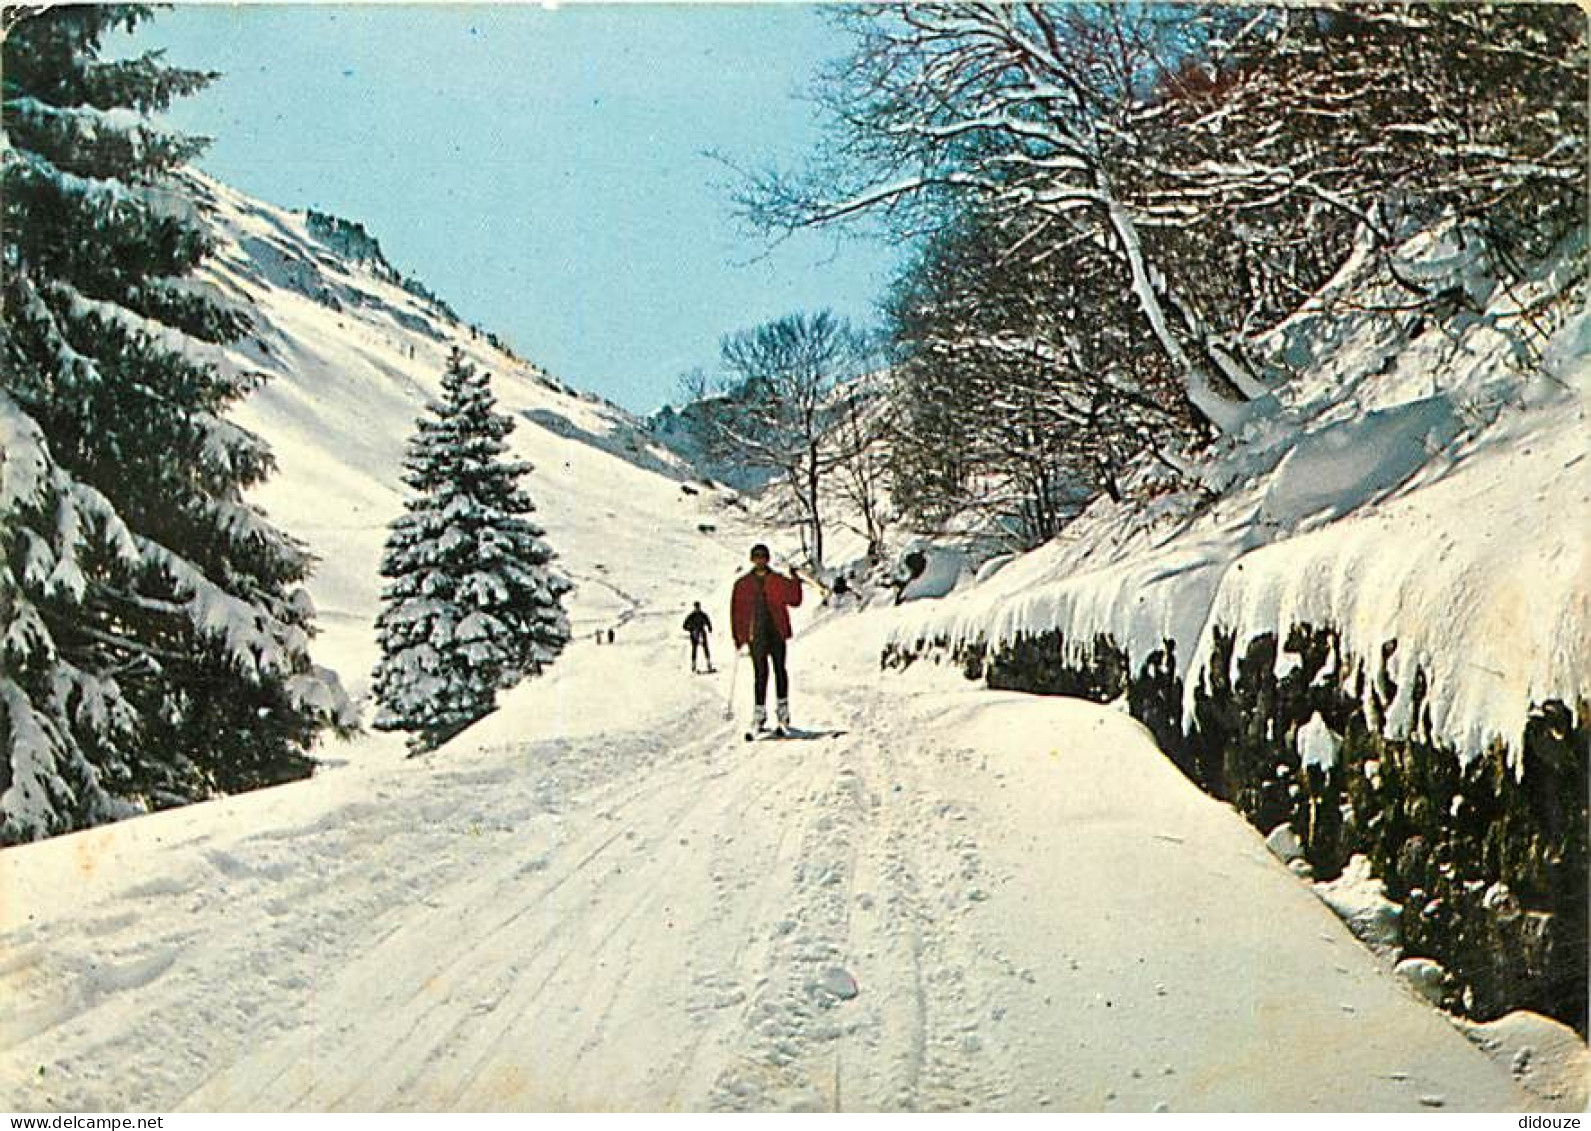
766 649
699 640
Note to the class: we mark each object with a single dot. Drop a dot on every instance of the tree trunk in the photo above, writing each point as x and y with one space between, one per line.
1222 407
817 522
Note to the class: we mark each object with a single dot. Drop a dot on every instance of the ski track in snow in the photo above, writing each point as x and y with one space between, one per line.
657 918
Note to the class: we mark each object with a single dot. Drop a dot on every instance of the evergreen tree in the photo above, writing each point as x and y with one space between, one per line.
473 605
153 631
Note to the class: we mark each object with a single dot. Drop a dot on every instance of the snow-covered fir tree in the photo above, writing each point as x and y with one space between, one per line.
153 629
473 605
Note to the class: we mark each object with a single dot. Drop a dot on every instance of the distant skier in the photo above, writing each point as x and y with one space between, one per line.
698 625
759 618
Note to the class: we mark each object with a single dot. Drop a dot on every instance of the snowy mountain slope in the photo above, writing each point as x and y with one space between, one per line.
961 900
683 430
352 357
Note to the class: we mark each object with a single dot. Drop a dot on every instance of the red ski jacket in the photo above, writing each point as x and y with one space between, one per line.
784 594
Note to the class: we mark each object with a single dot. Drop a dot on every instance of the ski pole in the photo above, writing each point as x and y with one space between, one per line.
734 673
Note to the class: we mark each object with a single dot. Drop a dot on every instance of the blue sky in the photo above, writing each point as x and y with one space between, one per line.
542 169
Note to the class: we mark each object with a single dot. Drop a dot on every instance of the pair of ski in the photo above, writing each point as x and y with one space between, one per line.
773 734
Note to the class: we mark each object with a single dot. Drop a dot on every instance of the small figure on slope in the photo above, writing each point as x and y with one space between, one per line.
759 618
698 626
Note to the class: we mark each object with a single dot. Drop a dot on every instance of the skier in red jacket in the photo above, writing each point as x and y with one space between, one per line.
759 616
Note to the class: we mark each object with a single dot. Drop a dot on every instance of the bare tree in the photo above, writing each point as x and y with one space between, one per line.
1029 112
779 410
1027 380
1297 133
1228 158
863 419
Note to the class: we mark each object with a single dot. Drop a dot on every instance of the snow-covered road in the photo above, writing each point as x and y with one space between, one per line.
964 900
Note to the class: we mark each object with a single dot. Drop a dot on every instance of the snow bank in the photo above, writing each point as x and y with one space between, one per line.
943 569
1546 1057
1142 601
1417 485
1482 577
1344 465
